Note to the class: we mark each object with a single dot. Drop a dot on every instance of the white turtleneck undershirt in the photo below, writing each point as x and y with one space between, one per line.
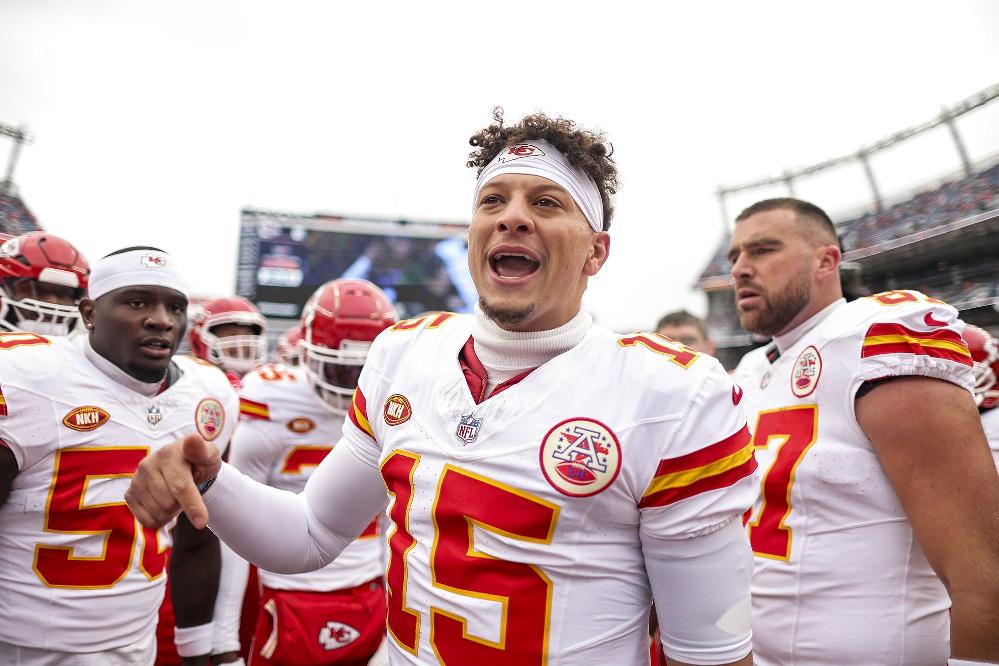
117 374
784 342
505 354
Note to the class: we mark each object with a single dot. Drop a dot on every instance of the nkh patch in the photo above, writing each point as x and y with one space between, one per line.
85 418
580 457
806 371
209 417
397 409
468 429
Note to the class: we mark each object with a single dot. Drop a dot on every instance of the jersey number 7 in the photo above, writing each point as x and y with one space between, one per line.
793 430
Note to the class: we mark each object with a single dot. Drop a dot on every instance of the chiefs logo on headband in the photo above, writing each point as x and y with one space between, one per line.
520 151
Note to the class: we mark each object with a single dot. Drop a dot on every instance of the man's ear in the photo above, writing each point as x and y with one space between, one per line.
599 251
829 258
87 308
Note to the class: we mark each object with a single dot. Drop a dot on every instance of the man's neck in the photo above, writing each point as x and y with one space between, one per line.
113 371
791 335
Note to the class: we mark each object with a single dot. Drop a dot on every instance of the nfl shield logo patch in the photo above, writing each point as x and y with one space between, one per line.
468 428
154 415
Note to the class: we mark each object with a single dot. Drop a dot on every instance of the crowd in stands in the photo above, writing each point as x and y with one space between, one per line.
949 203
15 218
963 286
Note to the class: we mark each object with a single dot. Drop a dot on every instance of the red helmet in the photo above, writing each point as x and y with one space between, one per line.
238 353
339 322
51 270
985 353
287 345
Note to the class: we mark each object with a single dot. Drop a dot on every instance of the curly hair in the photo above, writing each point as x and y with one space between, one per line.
584 149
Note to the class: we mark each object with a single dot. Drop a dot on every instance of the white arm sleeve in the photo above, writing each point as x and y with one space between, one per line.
701 589
287 533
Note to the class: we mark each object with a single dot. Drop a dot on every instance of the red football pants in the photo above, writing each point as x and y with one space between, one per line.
343 627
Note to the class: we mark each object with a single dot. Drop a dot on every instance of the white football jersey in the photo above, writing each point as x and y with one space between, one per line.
840 578
77 572
285 431
990 422
514 533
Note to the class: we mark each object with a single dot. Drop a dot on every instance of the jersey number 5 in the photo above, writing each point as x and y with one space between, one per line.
793 430
466 502
68 512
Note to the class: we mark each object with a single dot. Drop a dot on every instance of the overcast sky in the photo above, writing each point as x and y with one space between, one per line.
155 122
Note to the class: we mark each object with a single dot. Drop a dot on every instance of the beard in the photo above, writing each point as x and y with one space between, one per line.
774 315
509 316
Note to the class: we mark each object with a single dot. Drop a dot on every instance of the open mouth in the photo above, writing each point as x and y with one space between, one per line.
512 264
156 347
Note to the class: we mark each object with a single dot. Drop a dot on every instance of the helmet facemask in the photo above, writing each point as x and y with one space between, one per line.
334 372
34 315
236 353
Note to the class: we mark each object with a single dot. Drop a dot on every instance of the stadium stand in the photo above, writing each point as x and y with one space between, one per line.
15 217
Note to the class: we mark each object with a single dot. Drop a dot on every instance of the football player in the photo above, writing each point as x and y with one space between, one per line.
985 353
546 477
79 578
878 496
231 333
287 347
42 279
292 416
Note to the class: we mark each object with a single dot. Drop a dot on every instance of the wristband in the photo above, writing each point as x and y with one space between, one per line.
193 641
203 487
965 662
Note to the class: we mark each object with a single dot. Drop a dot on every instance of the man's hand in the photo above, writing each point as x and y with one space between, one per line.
166 482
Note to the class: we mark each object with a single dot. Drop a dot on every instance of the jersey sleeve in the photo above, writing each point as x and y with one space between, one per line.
911 334
705 475
359 434
27 424
253 452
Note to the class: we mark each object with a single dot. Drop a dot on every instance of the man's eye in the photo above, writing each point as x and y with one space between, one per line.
547 201
489 199
137 303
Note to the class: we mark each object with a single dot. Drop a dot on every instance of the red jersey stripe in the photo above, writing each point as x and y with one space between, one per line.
723 480
253 409
707 455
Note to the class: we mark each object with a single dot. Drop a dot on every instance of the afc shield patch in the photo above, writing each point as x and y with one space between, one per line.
209 418
580 457
806 371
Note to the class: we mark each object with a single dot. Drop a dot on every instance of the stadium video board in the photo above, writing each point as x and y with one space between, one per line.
283 258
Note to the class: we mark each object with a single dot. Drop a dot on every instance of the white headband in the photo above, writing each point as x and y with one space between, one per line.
134 268
540 158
